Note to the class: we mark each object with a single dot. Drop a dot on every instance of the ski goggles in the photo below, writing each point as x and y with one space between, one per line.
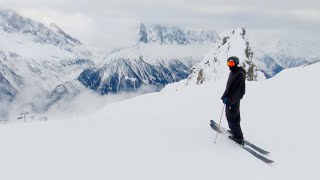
231 63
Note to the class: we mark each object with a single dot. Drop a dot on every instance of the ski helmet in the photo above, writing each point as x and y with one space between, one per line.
234 58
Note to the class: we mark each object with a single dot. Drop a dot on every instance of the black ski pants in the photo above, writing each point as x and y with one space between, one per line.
233 117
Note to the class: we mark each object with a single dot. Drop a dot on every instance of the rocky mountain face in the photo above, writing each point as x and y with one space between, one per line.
161 56
268 66
7 90
11 22
152 61
66 36
120 73
34 59
213 66
173 35
127 75
275 54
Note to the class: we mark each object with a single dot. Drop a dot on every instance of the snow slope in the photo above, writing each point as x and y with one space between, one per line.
166 135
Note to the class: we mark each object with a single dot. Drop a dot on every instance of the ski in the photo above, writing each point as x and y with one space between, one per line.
257 155
256 147
214 124
225 133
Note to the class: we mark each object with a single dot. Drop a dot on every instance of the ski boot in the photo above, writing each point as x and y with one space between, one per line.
237 140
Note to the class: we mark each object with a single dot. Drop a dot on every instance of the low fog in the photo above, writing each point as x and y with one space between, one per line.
34 104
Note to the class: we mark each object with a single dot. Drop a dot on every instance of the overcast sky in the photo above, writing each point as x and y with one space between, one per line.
106 23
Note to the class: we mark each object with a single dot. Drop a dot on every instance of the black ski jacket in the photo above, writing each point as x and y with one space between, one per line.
236 86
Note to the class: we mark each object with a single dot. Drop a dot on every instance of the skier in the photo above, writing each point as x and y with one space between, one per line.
234 92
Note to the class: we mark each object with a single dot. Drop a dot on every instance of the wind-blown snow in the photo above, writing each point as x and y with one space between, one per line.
166 135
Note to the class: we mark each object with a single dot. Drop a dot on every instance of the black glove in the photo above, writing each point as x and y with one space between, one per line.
224 100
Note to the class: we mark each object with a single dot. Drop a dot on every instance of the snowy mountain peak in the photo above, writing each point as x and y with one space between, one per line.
11 22
34 59
128 69
160 34
132 52
59 31
150 64
213 65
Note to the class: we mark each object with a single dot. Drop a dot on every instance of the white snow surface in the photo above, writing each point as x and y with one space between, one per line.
166 135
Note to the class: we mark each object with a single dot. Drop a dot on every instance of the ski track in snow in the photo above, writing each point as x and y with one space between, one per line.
166 135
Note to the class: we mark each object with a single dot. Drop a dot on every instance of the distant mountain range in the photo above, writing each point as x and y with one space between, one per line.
11 22
174 35
274 55
35 58
41 65
161 56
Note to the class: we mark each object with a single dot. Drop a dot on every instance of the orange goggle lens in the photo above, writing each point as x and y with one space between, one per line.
231 63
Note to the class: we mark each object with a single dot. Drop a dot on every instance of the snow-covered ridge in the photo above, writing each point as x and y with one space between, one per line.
274 55
174 35
34 59
213 66
59 31
128 75
12 22
163 55
268 65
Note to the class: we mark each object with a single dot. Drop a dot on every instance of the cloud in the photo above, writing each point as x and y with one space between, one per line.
74 106
114 23
304 14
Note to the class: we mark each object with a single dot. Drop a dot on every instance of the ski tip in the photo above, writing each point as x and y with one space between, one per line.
269 161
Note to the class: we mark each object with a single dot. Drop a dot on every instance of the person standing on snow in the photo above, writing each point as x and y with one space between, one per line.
234 92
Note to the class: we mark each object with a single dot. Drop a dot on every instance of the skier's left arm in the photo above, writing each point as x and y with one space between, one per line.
239 84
